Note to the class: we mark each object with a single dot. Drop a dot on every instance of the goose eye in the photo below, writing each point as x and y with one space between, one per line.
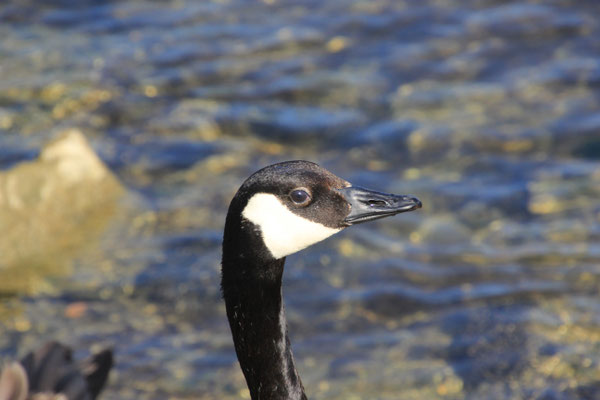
300 197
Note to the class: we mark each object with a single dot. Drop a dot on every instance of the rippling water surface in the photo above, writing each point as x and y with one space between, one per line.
488 111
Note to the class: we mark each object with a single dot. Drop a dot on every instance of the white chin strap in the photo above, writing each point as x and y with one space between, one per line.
283 232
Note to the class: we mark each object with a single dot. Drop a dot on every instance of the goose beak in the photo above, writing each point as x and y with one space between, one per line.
367 205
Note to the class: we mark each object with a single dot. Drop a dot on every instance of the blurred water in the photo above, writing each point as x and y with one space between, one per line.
488 111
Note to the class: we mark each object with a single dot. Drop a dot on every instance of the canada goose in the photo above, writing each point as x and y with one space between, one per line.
49 373
278 211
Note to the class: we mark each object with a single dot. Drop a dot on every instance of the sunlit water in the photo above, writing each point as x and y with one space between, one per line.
488 111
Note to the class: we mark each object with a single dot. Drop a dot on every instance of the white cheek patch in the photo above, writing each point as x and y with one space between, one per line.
283 232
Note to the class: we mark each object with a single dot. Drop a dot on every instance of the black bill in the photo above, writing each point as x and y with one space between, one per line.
367 205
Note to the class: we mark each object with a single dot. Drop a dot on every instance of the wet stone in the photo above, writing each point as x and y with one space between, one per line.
52 206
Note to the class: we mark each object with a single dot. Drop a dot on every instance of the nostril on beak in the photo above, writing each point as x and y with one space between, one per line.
376 203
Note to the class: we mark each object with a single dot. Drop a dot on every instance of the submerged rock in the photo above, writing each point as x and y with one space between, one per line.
52 207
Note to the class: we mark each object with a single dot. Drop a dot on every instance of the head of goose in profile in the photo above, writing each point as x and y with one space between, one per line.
280 210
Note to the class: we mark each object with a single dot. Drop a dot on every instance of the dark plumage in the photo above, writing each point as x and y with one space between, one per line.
277 211
50 373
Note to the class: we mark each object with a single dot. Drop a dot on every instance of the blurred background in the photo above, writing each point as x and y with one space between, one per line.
127 126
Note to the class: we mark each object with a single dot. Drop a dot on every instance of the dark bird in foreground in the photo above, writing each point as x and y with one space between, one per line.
50 373
278 211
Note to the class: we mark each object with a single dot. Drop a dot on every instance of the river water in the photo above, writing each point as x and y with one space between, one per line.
488 111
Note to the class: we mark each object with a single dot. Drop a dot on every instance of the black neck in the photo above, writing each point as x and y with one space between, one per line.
257 319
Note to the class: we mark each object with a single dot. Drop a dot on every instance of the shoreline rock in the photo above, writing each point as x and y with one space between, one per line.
51 208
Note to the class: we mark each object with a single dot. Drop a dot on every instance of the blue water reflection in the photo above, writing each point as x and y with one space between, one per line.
488 111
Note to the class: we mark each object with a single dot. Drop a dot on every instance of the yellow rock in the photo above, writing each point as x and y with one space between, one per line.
545 204
50 209
150 91
337 43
